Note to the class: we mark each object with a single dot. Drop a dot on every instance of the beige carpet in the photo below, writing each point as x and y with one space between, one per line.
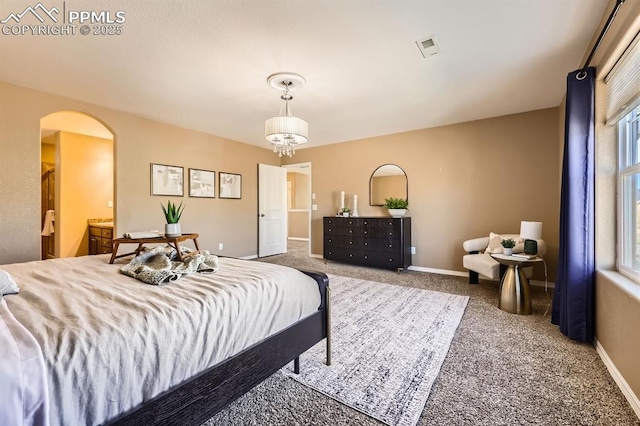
501 369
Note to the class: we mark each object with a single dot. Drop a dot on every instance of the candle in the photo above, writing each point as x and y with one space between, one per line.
355 206
341 200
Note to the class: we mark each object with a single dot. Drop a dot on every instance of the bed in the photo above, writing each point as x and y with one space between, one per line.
118 351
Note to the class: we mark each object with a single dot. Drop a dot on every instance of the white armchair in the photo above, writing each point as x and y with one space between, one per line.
480 263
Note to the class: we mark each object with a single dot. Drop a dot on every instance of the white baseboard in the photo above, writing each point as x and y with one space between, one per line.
617 377
251 256
438 271
316 256
297 239
535 283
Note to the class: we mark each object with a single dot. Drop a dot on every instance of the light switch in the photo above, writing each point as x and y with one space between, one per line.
110 204
314 207
313 196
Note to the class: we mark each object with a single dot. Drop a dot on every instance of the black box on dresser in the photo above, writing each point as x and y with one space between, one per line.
382 242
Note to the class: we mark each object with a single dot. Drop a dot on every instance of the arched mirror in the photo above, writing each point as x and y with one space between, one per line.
387 181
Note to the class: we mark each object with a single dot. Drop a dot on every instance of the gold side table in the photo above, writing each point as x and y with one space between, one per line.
515 293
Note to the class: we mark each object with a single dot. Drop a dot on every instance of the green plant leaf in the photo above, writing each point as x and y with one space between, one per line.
172 213
396 203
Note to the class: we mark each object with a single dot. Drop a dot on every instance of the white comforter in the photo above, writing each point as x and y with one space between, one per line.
111 342
23 383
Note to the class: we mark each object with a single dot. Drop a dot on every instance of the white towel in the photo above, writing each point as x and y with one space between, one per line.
143 234
48 228
7 283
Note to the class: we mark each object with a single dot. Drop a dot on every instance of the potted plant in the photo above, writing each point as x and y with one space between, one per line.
345 211
397 207
172 215
507 246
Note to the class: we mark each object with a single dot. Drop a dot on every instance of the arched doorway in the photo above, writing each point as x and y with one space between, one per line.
77 165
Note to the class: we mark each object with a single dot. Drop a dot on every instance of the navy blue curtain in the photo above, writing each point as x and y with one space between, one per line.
574 295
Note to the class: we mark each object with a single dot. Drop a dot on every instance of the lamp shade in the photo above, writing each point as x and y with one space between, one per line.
286 129
531 230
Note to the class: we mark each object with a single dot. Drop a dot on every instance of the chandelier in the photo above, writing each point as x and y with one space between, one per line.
285 131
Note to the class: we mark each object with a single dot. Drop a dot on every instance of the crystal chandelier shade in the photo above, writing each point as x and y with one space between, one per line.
285 132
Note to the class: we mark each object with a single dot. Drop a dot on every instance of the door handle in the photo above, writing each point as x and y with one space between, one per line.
262 215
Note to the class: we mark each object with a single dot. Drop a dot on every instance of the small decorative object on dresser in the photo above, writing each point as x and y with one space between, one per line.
345 212
370 241
507 246
397 206
172 215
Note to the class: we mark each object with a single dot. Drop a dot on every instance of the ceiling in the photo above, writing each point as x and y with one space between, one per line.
204 64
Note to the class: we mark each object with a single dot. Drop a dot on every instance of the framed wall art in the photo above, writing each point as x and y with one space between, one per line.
202 183
230 185
167 180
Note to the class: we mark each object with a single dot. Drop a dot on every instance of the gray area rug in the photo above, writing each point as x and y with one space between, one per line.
388 345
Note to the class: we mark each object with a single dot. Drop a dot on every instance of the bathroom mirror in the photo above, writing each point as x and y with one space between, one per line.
387 181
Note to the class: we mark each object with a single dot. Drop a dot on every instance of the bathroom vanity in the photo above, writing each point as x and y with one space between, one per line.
100 236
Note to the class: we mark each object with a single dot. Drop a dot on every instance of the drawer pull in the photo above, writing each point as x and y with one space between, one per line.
350 242
390 260
366 244
350 255
391 233
366 257
330 240
390 245
350 223
350 231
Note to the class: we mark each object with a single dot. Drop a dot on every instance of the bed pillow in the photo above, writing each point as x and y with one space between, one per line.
7 284
495 241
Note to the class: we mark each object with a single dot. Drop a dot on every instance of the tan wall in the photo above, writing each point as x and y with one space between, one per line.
302 195
138 142
617 325
617 311
298 224
83 189
298 221
465 180
48 149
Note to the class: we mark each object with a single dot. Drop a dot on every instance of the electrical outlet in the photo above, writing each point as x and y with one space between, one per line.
314 207
413 250
220 246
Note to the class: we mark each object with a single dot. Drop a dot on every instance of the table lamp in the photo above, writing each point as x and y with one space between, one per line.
531 232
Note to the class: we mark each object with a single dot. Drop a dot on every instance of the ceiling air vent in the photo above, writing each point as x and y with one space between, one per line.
428 46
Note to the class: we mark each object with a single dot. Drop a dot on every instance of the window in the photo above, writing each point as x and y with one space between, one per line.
629 194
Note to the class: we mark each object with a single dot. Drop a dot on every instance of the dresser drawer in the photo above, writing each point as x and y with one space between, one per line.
107 242
388 228
107 233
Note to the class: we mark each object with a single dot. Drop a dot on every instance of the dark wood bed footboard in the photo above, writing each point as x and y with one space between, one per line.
199 398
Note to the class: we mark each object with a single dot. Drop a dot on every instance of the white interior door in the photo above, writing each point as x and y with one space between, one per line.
272 210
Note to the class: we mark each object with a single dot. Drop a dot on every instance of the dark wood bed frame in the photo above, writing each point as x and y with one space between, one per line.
199 398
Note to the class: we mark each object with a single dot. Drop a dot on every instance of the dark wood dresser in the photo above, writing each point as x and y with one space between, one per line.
100 238
383 242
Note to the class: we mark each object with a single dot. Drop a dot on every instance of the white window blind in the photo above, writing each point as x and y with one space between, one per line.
623 84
